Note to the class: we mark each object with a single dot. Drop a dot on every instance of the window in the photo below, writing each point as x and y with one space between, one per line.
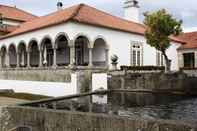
159 59
189 60
136 54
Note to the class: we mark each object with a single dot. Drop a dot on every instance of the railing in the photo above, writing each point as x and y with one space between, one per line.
56 68
51 100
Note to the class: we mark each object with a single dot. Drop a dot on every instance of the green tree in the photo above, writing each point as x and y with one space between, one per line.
160 25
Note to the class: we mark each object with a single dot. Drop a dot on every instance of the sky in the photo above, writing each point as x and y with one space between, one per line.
181 9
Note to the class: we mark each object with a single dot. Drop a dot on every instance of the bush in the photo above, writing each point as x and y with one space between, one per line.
143 68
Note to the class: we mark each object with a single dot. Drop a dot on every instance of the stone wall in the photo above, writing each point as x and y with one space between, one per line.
141 89
49 75
51 120
191 72
152 81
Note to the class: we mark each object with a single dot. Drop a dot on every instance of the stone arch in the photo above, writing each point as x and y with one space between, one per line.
59 35
33 50
30 43
85 36
100 52
82 47
20 42
104 39
12 51
45 38
22 53
46 47
3 56
62 50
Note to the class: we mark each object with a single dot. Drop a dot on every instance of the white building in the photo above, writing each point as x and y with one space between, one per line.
83 36
11 18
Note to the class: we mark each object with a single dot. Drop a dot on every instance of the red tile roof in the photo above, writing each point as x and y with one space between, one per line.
83 14
8 28
14 13
190 38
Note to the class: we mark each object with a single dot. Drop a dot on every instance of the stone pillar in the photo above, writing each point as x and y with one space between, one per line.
28 58
180 59
72 53
17 59
195 59
1 60
90 57
40 58
54 58
107 58
7 60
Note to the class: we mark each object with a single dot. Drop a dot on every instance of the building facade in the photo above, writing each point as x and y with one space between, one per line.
82 36
188 52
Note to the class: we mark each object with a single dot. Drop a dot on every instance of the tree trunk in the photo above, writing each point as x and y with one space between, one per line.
167 62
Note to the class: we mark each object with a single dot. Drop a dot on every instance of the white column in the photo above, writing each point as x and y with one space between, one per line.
90 58
7 60
28 58
40 58
180 60
107 58
195 59
72 52
1 60
17 59
54 57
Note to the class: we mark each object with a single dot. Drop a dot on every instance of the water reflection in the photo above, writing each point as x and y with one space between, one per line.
182 110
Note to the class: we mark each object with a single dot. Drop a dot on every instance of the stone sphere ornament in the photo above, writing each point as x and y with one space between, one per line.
114 59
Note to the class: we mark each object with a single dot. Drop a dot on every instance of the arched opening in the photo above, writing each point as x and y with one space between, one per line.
3 56
22 55
34 53
63 51
81 51
12 56
99 53
47 52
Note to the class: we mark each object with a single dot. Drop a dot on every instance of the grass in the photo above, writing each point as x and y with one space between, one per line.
24 96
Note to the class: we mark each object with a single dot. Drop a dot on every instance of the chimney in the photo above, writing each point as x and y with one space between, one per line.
59 5
131 10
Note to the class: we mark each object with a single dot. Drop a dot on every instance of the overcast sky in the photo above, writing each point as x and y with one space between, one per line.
181 9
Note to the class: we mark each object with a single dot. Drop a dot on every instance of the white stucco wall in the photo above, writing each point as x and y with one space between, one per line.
118 42
54 89
99 80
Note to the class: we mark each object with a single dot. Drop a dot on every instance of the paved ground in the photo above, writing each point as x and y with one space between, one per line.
10 101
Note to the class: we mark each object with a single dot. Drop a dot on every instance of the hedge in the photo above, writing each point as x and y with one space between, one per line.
142 68
188 68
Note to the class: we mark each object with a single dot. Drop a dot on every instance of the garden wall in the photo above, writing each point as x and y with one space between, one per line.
51 120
